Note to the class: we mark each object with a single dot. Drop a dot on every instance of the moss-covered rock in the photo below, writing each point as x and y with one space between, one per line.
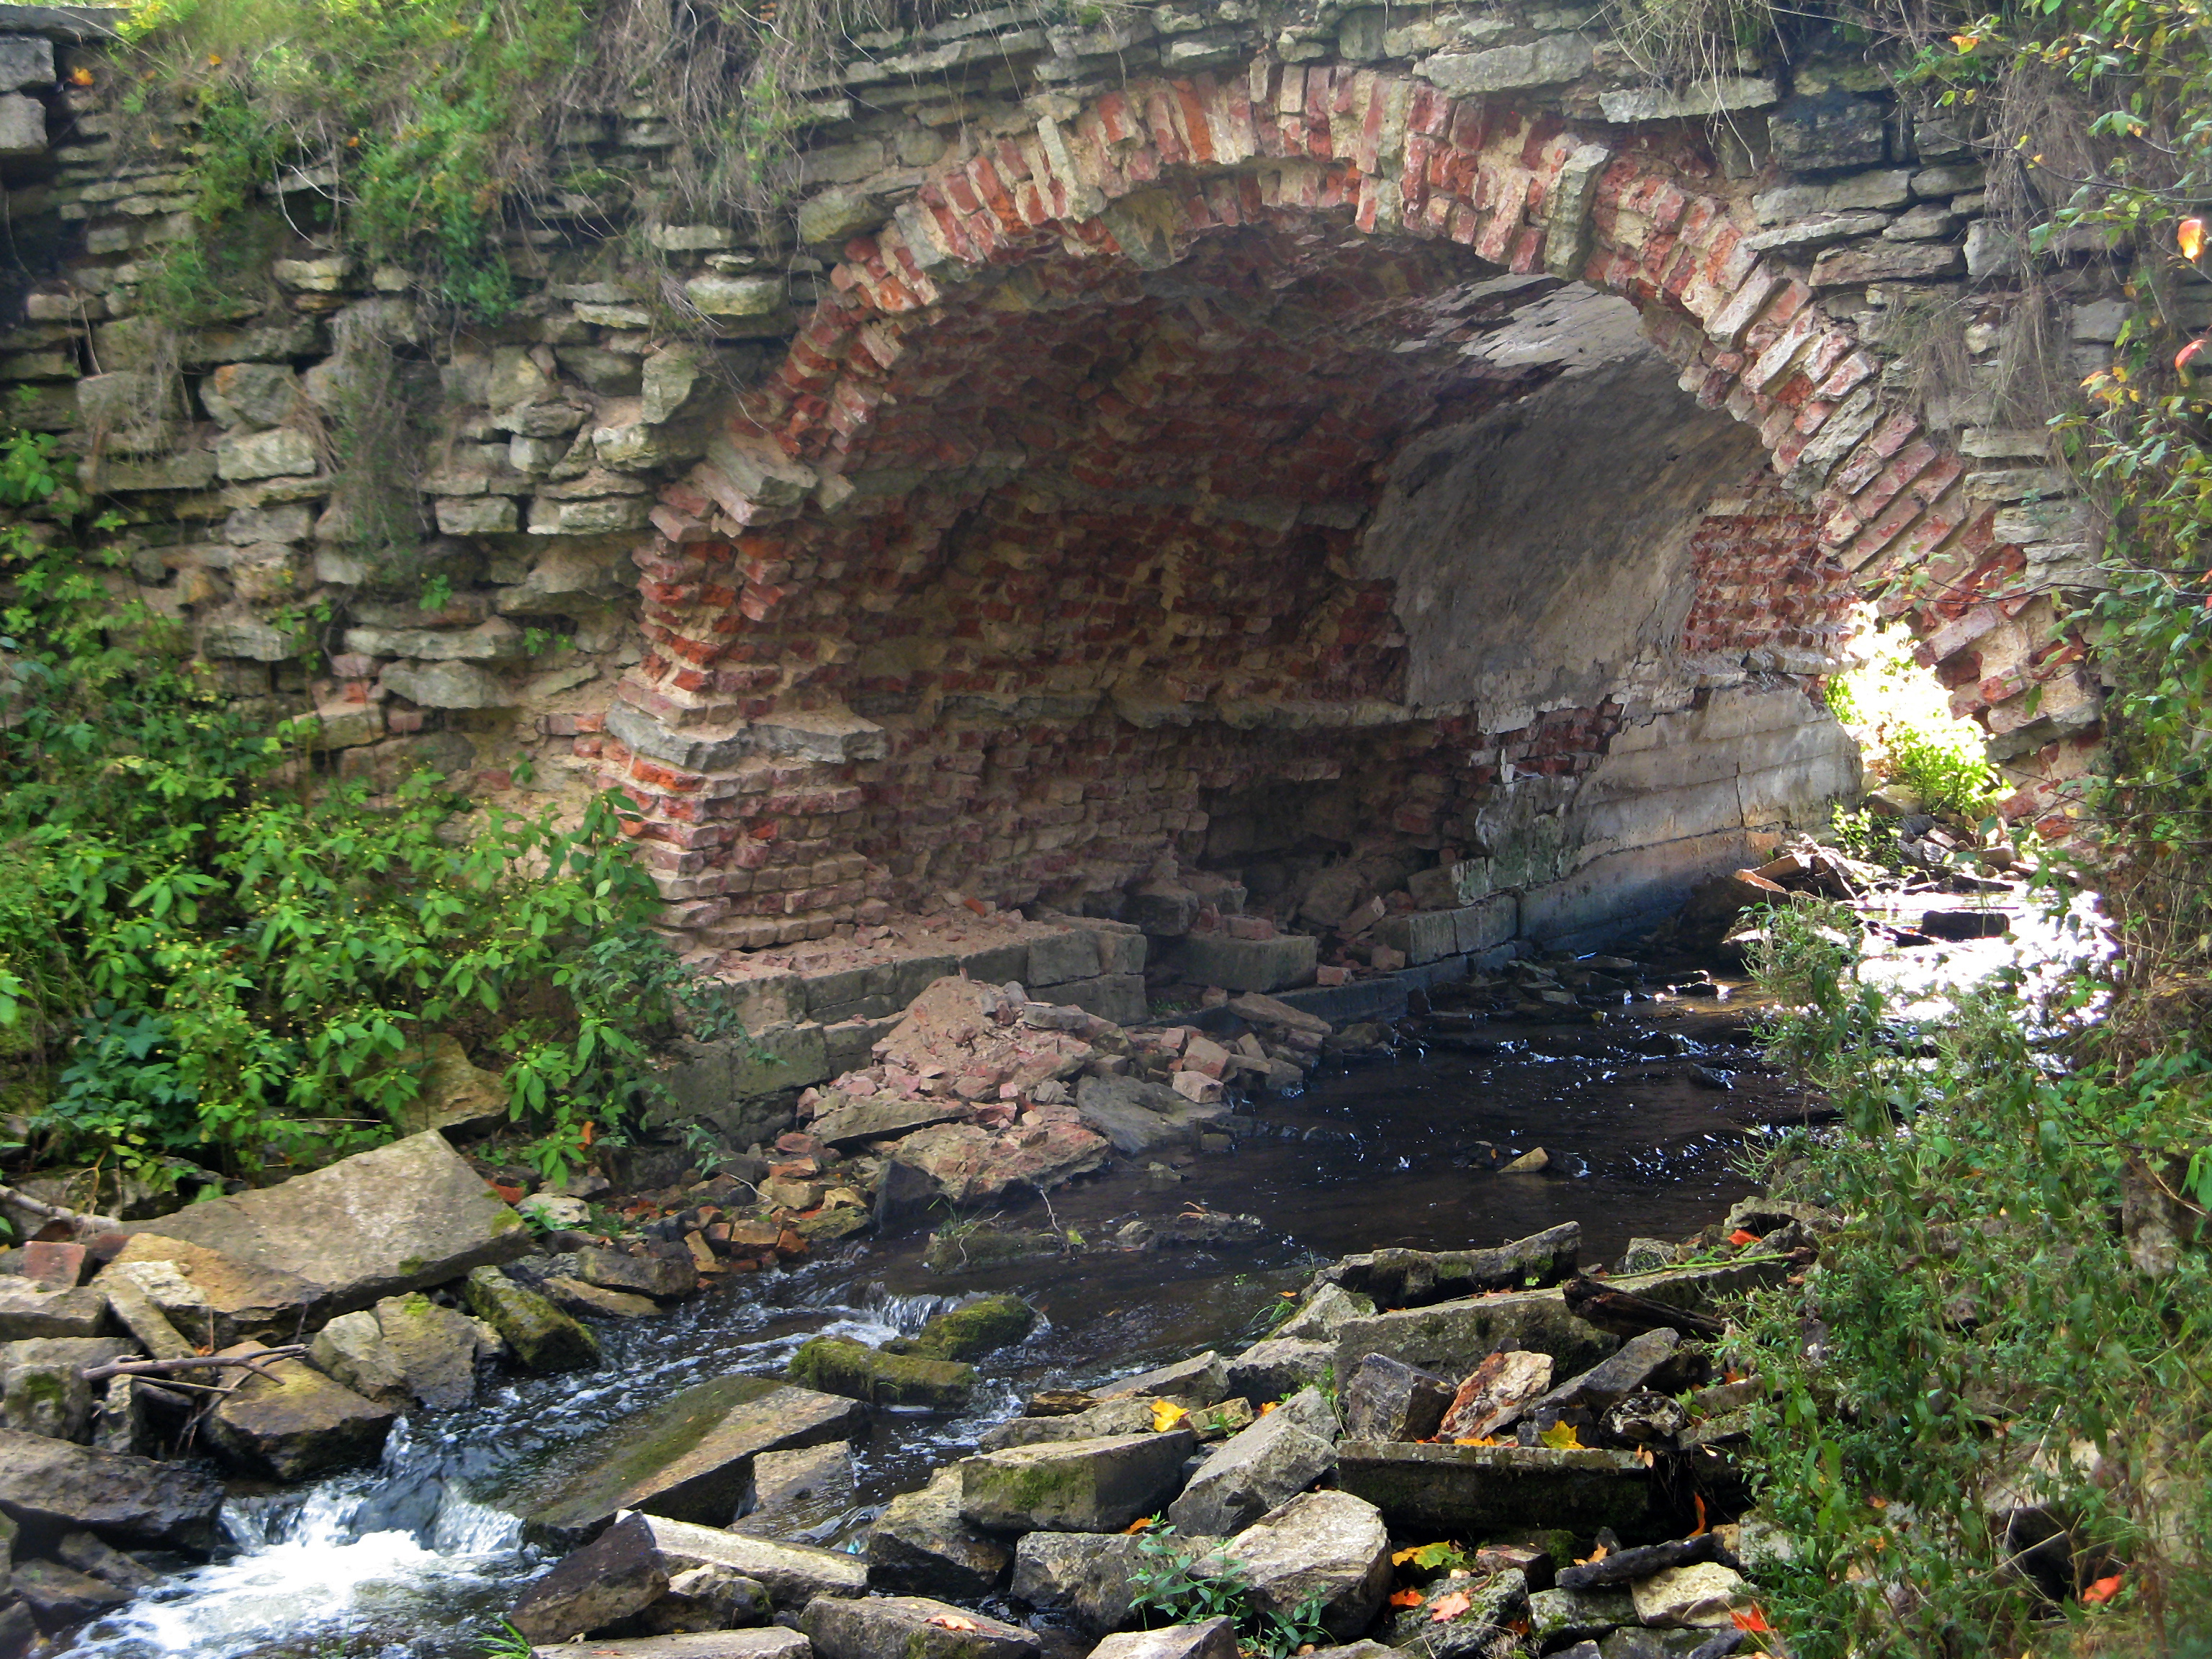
292 1422
837 1365
537 1332
970 1332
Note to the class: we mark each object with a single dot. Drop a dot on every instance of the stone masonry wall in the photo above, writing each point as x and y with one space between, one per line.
1143 447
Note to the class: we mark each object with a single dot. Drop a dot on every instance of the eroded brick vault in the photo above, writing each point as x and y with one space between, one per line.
1298 452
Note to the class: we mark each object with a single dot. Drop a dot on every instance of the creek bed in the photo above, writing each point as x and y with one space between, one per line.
1643 1115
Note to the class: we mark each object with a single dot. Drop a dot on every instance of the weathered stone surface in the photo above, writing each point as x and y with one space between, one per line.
60 1598
351 1351
1201 1380
1325 1312
1615 1378
1450 1337
1497 1392
213 1298
41 1384
689 1458
1250 1474
1556 1616
797 1490
251 395
575 1297
972 1165
1251 964
667 1276
27 1310
1139 1118
1701 1595
1216 1638
1330 1544
1074 1486
921 1542
1118 1416
1542 62
839 1365
1081 1576
1473 1489
538 1334
618 1574
1280 1366
772 1643
293 1422
401 1218
857 1121
1886 262
284 452
910 1627
436 1347
1390 1400
50 1486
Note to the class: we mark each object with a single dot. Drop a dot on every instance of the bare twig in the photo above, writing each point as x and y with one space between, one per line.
78 1218
253 1361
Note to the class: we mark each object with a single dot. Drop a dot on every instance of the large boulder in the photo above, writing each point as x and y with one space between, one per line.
837 1365
49 1487
797 1490
1074 1486
968 1164
213 1298
1142 1119
290 1421
537 1334
689 1458
1328 1547
436 1347
624 1582
910 1627
1390 1400
401 1218
1251 1473
1466 1491
922 1542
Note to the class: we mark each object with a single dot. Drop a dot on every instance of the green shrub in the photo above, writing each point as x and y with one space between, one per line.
225 957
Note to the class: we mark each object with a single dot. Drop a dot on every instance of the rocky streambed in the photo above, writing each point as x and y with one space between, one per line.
1395 1333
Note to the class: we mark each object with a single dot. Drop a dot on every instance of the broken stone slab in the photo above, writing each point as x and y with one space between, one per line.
797 1490
1326 1310
1497 1392
687 1458
289 1421
1558 1616
60 1598
1280 1366
1390 1400
1326 1545
921 1542
856 1122
1074 1486
400 1217
538 1334
1082 1576
772 1643
1613 1378
1265 1010
969 1164
351 1351
1473 1489
1201 1380
668 1278
574 1296
1496 1609
42 1386
1216 1638
1413 1278
1250 1474
49 1487
1699 1596
839 1365
213 1298
1116 1417
910 1627
1449 1339
1251 964
619 1573
1141 1118
154 1332
26 1310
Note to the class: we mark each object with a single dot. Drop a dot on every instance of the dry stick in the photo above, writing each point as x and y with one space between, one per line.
253 1361
23 1200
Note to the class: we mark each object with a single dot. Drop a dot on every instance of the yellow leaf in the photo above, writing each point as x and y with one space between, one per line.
1965 43
2190 235
1561 1437
1478 1440
1165 1415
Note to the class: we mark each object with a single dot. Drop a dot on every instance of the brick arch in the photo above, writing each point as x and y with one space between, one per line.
746 730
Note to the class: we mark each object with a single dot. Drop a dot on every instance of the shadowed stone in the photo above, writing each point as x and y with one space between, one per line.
1074 1486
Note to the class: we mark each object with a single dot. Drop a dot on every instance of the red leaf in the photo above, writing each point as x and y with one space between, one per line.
1750 1619
2102 1591
1739 1237
1406 1598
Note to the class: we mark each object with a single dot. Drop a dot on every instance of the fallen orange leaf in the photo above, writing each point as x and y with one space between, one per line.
1597 1553
1478 1440
1406 1598
1449 1607
1751 1620
953 1621
1269 1406
2102 1591
1700 1502
1141 1524
1740 1236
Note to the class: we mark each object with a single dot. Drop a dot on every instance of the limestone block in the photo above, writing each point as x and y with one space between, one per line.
551 517
922 1543
1886 262
909 1627
1506 69
1705 97
294 1422
738 297
447 685
1074 1486
835 215
1329 1545
249 639
1116 997
26 60
192 468
23 125
1423 935
476 515
666 381
347 724
252 395
283 452
324 275
1251 964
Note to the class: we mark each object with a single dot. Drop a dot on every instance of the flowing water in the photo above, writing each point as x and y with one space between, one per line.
416 1559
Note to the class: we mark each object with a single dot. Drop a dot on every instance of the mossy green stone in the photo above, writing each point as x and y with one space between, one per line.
837 1365
538 1333
969 1333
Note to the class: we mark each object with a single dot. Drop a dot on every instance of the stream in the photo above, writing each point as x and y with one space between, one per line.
1643 1114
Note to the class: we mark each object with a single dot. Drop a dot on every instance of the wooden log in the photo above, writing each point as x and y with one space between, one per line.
1626 1314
